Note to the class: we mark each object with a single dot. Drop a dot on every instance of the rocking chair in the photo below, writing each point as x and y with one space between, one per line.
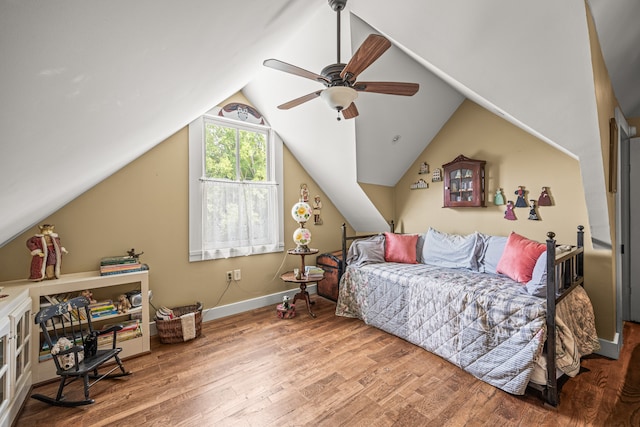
72 320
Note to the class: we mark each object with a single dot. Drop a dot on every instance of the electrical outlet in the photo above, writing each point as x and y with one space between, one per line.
237 275
229 275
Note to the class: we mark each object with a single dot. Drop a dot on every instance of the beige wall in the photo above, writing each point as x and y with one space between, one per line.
144 206
513 158
635 121
604 261
382 197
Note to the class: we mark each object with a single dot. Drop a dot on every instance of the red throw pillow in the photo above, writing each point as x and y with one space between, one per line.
519 257
400 248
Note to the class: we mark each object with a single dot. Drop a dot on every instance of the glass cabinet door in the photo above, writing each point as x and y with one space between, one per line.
464 183
461 188
21 352
4 365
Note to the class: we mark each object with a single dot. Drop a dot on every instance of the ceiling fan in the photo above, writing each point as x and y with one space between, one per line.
340 79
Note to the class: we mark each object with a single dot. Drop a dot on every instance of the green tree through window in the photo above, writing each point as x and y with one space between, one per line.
235 154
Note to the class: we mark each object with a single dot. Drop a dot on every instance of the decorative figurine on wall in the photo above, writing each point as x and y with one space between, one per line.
437 175
424 168
317 206
46 254
419 184
304 193
545 199
521 201
533 215
499 198
509 213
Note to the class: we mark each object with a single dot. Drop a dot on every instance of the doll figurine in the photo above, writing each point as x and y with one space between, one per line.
317 206
544 199
520 200
499 199
46 254
533 215
509 213
304 193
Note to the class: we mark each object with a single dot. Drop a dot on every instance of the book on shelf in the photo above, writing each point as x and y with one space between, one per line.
106 270
130 329
115 260
102 308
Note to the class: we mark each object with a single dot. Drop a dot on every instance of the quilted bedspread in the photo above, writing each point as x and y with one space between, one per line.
484 323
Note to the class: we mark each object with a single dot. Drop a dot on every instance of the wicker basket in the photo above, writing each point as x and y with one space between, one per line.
170 331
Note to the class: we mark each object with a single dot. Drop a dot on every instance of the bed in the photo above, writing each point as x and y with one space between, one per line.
461 298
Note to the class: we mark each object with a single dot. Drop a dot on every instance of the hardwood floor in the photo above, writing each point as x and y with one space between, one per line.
254 369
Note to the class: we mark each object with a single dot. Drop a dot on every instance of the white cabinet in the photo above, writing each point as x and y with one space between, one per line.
15 351
19 345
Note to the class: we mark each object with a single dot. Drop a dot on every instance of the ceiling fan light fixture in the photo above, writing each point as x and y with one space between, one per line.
339 97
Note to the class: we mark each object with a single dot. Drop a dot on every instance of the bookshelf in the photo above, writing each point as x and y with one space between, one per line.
103 287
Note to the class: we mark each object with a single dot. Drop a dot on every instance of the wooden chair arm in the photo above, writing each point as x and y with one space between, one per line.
110 329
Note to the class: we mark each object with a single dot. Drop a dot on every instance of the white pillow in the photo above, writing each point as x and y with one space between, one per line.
538 284
492 249
451 250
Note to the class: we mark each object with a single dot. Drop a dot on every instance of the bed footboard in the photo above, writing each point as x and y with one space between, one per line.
565 271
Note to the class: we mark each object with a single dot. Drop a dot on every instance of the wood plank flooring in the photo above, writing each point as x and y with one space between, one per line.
254 369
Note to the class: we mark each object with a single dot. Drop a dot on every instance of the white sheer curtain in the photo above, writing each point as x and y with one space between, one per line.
238 218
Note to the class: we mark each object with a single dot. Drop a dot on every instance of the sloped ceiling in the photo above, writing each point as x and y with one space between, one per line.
619 35
88 86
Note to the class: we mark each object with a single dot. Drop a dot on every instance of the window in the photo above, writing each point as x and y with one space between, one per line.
235 200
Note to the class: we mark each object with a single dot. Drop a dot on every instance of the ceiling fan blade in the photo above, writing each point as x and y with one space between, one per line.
298 101
350 112
390 88
370 50
292 69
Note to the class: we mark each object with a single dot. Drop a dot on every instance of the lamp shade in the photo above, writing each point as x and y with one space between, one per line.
339 97
302 237
301 212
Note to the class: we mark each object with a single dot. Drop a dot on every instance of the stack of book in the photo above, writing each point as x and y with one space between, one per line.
130 329
119 265
102 309
313 272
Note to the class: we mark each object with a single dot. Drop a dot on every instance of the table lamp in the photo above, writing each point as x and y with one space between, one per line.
301 212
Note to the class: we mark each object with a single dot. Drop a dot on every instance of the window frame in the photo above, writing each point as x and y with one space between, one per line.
197 176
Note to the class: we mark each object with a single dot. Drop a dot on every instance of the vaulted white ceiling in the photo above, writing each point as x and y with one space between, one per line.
88 86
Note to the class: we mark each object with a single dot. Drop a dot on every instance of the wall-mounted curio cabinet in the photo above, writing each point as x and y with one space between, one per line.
464 182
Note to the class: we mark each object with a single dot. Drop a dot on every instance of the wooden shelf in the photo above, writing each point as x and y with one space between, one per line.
76 283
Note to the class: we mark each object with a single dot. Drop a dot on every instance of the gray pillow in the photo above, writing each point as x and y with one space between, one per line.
364 251
538 284
492 249
450 250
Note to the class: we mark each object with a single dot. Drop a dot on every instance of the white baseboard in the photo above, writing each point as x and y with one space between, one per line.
610 349
240 307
